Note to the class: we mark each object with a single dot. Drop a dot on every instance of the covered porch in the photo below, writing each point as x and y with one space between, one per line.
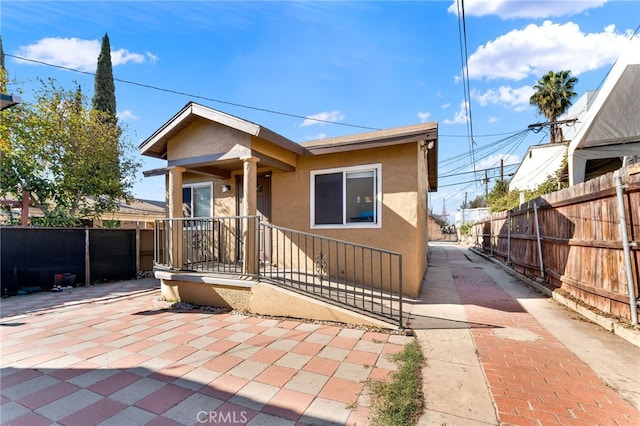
365 281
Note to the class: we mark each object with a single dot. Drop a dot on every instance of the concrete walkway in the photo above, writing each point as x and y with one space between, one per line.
496 352
499 353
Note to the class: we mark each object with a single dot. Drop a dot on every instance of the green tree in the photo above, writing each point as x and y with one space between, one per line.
552 97
104 95
61 151
501 199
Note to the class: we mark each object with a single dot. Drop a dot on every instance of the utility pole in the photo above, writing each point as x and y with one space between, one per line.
502 169
464 206
486 187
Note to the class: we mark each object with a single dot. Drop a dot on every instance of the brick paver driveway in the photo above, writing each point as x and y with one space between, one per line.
112 355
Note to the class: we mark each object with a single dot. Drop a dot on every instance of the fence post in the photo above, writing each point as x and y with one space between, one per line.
535 214
508 237
87 258
491 234
137 249
633 307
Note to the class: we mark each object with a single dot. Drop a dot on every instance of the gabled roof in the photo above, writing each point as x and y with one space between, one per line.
539 162
156 144
613 117
611 127
427 132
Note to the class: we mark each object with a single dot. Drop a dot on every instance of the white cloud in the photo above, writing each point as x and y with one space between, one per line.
459 117
74 53
508 9
536 49
323 117
127 115
152 58
517 98
423 116
493 120
445 106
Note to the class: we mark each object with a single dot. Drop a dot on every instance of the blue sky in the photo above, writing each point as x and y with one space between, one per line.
357 65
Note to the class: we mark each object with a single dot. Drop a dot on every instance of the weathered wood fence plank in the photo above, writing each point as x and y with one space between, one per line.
582 249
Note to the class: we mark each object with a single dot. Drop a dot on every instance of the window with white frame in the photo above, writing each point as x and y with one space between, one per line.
197 200
346 197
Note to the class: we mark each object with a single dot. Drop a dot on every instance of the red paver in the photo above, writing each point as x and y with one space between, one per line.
95 413
45 396
164 398
306 348
267 355
30 419
361 358
114 383
535 379
343 342
276 375
341 390
224 387
324 366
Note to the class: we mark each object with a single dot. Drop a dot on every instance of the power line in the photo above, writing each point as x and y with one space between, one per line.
177 92
464 56
148 86
443 176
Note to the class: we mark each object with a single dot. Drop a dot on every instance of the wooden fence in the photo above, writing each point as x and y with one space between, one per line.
571 239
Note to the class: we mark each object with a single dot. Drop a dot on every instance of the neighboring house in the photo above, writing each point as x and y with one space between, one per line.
7 101
463 216
137 213
368 189
539 162
604 136
610 130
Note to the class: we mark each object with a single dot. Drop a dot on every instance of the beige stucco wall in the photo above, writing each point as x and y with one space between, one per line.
203 137
206 294
404 187
262 299
403 215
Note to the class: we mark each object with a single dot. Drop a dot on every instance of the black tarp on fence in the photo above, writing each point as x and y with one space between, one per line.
31 257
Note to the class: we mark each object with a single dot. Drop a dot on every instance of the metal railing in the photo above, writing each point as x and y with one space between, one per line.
204 244
355 276
359 277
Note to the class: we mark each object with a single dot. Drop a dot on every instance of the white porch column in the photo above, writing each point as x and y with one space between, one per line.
174 239
250 182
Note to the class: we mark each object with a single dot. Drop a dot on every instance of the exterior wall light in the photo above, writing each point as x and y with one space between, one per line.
226 187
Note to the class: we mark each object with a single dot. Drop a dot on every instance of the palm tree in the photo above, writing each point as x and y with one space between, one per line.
553 95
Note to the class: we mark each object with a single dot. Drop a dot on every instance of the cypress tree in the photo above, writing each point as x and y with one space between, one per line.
3 87
104 101
104 96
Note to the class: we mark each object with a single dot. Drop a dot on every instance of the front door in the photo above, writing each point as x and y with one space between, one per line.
263 207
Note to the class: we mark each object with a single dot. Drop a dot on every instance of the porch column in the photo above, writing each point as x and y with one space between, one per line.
174 239
250 183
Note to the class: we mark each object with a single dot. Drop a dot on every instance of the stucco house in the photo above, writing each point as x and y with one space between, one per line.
259 222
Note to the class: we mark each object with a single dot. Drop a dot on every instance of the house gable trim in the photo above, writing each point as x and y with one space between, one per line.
156 144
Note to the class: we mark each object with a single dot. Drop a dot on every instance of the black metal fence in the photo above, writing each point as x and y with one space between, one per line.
33 259
355 276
